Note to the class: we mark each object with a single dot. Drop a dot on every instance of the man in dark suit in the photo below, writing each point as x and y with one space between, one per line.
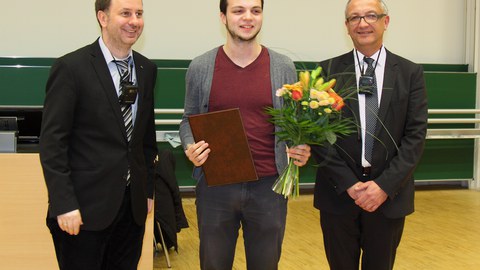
364 192
98 145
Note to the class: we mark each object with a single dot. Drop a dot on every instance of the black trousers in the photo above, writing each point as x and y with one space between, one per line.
371 235
118 247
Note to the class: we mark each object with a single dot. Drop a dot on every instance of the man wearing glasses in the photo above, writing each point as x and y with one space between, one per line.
366 188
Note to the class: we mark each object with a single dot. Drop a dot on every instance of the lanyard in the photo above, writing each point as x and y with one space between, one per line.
362 69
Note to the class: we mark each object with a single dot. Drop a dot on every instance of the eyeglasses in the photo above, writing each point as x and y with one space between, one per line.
369 18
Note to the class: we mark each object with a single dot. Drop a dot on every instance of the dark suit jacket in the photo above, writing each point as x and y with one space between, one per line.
83 144
401 137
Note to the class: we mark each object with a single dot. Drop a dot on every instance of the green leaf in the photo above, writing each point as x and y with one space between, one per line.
331 137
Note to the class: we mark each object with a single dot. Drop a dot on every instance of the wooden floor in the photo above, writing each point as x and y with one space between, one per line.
442 234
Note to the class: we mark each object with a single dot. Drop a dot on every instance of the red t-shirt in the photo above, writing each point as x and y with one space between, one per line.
250 90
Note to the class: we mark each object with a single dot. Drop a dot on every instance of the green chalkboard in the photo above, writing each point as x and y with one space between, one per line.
448 87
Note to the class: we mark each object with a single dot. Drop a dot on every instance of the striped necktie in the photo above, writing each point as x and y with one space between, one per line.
123 66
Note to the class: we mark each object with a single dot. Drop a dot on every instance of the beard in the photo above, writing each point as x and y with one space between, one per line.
235 36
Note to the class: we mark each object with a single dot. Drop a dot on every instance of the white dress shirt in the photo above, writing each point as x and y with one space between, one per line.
379 74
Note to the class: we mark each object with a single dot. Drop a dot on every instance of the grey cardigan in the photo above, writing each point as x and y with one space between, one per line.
198 85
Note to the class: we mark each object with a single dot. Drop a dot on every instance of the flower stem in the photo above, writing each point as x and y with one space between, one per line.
288 182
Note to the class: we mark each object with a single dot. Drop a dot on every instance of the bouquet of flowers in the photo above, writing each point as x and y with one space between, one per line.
311 115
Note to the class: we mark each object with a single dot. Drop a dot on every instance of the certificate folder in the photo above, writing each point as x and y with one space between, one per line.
230 160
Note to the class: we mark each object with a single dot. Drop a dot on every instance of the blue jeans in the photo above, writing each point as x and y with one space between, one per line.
221 210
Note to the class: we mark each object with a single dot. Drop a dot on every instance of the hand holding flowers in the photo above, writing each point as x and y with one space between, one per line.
299 154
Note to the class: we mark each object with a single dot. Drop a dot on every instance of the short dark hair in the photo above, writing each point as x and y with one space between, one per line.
224 4
102 5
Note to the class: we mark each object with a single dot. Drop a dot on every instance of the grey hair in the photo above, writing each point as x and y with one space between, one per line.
381 2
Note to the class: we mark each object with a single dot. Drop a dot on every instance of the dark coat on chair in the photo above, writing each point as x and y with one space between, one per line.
168 202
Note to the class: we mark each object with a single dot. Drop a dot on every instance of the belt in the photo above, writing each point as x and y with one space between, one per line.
366 171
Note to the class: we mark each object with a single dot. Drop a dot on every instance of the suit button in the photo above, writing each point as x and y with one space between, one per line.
129 150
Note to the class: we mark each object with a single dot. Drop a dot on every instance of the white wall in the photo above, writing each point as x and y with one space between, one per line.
425 31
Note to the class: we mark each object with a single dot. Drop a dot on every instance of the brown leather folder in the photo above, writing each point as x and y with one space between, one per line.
230 160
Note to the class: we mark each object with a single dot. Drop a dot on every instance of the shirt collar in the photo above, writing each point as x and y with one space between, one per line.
381 59
106 52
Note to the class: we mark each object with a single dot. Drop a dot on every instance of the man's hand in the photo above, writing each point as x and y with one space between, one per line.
371 196
197 153
300 154
70 222
354 192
